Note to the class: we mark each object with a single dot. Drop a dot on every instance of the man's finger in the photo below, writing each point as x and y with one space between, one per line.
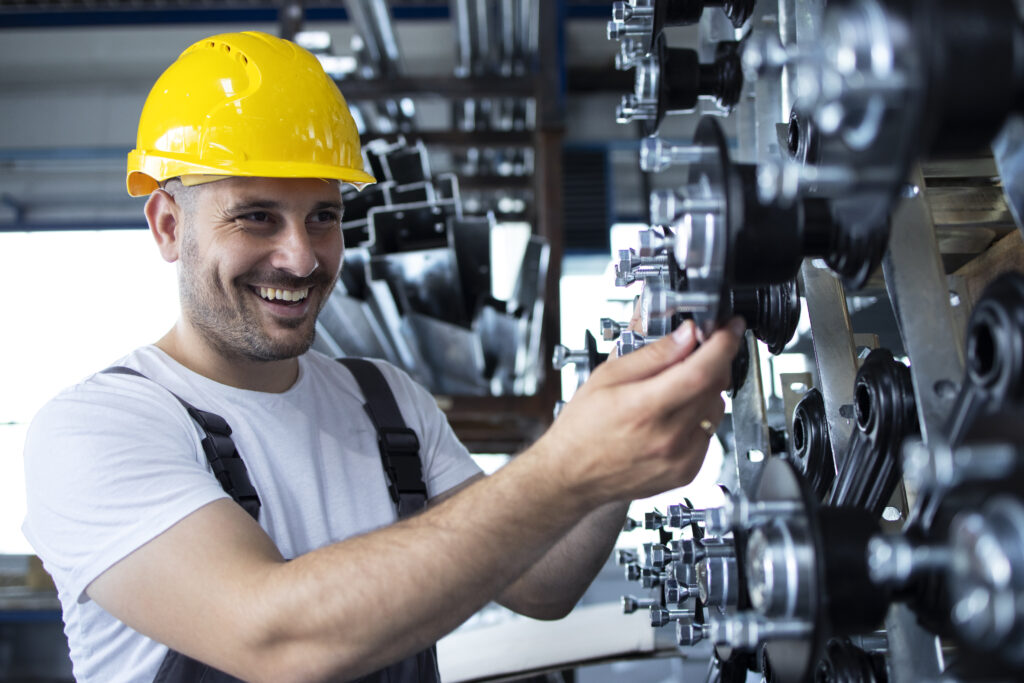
650 360
706 369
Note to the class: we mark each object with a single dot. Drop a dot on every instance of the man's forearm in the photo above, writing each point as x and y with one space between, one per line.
556 582
417 579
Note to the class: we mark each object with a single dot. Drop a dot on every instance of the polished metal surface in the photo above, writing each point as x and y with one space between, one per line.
750 424
781 569
834 352
1008 149
916 283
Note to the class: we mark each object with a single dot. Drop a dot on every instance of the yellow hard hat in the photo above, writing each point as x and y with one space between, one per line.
245 104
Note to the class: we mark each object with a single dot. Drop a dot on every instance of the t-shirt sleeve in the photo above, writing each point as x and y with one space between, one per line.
446 462
109 465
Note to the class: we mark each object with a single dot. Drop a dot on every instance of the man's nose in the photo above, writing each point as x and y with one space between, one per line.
294 251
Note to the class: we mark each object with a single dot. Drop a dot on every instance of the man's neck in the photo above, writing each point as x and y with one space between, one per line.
191 350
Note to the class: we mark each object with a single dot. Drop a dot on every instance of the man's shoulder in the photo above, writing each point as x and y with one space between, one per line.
105 391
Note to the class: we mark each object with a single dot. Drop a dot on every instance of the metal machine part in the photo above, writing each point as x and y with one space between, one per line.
771 312
718 581
779 555
418 271
798 574
884 406
738 512
677 592
982 438
726 239
628 342
672 80
980 567
844 662
867 92
642 21
633 268
611 329
661 616
811 449
884 83
994 378
631 604
745 631
585 360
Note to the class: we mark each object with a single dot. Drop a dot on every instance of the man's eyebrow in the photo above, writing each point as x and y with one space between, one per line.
253 204
270 204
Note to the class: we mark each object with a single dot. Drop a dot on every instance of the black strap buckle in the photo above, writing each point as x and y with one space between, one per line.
398 440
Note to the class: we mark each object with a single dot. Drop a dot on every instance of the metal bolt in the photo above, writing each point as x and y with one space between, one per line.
629 54
624 557
633 108
651 578
629 524
632 267
656 155
628 342
689 633
692 551
632 572
657 555
740 513
666 302
563 356
661 616
653 243
893 560
668 206
654 520
782 181
631 604
746 630
677 592
610 330
634 18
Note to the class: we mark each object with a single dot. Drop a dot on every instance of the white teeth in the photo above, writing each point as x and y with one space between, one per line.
271 294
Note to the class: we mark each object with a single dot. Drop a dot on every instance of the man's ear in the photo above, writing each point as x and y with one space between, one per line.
165 223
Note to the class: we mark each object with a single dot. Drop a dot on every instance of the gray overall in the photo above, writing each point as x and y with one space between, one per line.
399 452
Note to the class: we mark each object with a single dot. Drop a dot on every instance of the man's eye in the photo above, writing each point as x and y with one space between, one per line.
256 216
327 216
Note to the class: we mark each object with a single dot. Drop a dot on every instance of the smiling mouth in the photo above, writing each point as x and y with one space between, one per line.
288 297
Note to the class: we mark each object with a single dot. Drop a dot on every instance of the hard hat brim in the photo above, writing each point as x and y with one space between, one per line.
154 168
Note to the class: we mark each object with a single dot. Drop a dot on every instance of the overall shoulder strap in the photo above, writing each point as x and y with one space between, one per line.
227 464
399 445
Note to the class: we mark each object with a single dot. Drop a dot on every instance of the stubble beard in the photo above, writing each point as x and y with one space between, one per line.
230 322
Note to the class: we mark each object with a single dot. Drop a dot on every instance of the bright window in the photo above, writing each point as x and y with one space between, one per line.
75 303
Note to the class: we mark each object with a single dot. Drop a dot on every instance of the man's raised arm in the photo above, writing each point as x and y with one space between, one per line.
215 588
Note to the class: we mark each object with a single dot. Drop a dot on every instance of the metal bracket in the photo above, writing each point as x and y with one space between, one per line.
916 282
750 422
834 351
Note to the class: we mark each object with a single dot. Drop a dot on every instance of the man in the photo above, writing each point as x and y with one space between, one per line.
242 145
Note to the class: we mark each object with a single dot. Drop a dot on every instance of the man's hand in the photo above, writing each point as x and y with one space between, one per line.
634 429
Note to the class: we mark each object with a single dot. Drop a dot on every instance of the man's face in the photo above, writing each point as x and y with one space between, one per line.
259 256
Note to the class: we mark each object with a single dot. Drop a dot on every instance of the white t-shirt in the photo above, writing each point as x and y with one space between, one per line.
113 462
